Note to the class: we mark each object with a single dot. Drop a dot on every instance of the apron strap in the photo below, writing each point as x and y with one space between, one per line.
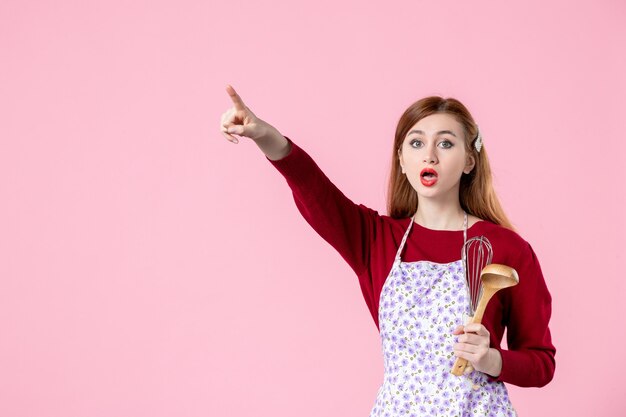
406 234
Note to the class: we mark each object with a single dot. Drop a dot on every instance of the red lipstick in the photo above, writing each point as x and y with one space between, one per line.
428 176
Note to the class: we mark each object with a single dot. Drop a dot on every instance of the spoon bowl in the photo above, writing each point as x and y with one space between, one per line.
497 276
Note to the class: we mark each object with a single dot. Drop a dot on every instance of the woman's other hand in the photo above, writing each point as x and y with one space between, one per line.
473 345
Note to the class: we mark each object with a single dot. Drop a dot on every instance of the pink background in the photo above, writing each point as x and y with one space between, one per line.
148 267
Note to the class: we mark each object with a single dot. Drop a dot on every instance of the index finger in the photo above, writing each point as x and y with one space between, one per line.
235 98
477 328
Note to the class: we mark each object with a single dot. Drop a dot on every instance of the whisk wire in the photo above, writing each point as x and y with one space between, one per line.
476 253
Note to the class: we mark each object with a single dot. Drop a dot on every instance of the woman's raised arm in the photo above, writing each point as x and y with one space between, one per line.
347 226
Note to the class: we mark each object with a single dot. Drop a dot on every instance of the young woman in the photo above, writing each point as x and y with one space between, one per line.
410 267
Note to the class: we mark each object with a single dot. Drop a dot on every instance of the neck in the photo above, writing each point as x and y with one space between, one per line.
440 214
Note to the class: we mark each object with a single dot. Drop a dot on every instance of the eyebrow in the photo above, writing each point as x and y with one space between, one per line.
441 132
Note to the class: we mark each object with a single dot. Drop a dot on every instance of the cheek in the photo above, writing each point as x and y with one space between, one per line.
411 168
410 159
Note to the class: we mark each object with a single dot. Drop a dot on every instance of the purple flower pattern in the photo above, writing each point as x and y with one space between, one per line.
421 303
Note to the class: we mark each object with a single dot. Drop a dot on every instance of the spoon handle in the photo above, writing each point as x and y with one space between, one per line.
461 363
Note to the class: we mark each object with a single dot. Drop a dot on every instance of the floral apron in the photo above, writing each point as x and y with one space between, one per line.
420 305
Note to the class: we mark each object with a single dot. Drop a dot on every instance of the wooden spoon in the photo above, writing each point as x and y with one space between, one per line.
494 278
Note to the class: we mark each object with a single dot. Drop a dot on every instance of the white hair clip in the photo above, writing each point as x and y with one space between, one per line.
478 143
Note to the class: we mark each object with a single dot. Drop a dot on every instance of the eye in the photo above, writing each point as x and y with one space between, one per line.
446 144
419 142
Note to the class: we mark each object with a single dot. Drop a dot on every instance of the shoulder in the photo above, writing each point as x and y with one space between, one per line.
391 229
393 224
499 232
511 249
507 243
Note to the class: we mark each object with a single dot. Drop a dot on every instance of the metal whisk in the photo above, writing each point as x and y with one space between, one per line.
475 254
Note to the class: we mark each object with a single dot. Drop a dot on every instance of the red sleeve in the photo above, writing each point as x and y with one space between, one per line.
348 227
529 360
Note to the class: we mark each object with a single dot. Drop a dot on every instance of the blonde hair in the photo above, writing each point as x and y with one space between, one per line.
476 193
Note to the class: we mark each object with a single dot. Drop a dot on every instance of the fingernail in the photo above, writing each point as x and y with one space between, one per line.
235 141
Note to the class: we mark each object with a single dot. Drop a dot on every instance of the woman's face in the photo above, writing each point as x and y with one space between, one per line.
433 156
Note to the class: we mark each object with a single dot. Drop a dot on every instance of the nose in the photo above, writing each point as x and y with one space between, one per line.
430 156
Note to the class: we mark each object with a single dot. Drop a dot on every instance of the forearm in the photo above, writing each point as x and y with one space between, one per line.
526 368
273 145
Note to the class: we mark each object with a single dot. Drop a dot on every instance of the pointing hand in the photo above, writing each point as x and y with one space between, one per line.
240 120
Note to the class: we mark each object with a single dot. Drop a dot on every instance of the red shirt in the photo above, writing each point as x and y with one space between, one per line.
368 242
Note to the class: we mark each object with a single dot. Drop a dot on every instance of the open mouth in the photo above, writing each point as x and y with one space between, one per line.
428 176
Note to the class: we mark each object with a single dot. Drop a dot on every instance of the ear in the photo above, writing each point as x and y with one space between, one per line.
470 163
400 160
